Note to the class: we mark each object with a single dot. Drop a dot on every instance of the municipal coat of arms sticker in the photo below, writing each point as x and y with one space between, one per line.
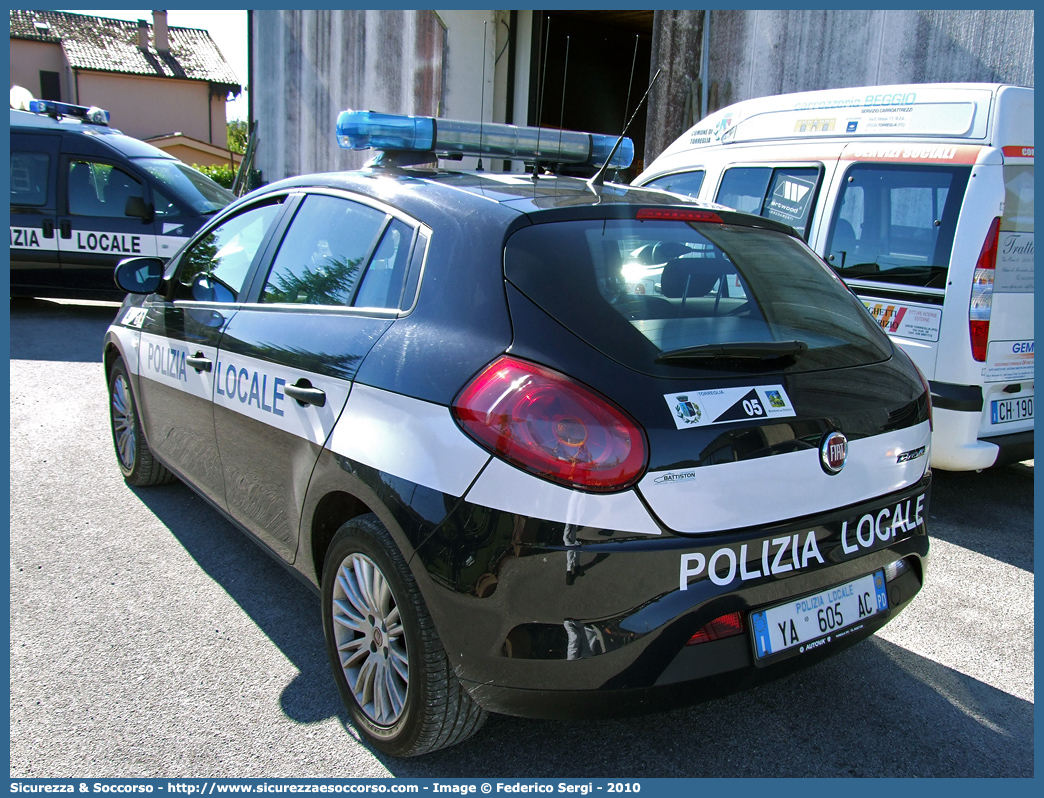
686 412
721 406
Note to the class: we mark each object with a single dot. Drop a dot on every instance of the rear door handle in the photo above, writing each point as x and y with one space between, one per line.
65 226
304 394
200 362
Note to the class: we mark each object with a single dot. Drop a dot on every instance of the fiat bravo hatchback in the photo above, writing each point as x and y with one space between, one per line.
545 446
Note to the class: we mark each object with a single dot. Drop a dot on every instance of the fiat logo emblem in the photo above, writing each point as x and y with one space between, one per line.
833 452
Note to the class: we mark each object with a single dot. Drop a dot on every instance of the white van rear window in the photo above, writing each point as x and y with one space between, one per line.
895 223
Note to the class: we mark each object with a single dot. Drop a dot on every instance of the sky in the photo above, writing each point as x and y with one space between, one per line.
228 29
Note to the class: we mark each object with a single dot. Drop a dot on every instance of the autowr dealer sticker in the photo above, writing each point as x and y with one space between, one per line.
725 405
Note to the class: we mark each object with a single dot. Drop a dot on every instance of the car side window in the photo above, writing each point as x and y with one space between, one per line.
323 252
743 188
164 206
382 284
100 189
687 183
29 178
215 267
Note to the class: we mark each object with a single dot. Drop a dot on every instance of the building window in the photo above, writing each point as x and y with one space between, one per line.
50 86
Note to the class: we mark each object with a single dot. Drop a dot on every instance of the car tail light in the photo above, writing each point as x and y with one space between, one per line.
678 215
552 426
721 627
982 294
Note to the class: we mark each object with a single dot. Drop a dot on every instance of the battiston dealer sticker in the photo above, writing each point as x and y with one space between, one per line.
721 406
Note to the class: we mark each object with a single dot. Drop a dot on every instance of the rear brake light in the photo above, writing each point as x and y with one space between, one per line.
549 425
678 215
724 626
982 294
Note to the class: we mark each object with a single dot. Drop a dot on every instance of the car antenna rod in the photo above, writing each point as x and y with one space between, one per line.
482 93
599 178
630 85
540 99
561 112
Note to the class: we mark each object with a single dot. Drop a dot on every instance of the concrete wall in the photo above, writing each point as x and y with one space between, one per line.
675 99
759 53
468 96
308 66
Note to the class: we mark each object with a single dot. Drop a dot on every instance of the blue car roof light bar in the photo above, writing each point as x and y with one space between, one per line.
362 130
92 114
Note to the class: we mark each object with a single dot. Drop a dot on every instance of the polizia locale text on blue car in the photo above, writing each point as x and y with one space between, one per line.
546 446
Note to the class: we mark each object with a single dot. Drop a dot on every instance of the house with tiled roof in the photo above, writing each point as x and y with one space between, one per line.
158 82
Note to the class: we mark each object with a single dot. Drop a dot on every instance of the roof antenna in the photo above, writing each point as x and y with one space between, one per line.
482 94
599 178
561 113
540 99
630 83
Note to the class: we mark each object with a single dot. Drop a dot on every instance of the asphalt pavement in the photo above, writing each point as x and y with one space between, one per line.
150 638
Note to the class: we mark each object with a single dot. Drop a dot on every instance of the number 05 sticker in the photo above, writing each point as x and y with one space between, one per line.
726 405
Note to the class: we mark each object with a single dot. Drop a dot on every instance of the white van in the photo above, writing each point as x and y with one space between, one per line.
921 198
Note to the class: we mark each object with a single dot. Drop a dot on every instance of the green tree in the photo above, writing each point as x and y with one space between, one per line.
329 283
237 136
223 174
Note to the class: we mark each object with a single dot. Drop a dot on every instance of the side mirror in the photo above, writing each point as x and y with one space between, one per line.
139 275
136 206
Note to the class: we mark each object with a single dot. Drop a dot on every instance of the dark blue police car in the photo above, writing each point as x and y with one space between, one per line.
546 447
84 197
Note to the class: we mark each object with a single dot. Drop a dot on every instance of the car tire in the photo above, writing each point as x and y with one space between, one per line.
133 454
389 664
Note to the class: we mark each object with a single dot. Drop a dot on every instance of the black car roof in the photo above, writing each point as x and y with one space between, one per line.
33 123
411 190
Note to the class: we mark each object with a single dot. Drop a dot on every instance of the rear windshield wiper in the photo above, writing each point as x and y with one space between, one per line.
737 350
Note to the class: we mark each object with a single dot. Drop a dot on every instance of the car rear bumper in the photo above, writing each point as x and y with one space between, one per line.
956 445
693 675
540 627
1012 448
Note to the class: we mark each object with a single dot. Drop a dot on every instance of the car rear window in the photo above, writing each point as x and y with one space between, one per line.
662 295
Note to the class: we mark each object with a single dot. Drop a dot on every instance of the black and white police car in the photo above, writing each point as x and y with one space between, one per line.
84 197
523 480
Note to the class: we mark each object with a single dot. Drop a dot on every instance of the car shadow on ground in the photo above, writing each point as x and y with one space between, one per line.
284 608
44 329
1001 529
874 710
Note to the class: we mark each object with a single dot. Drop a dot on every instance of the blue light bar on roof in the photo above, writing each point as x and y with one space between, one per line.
93 114
363 130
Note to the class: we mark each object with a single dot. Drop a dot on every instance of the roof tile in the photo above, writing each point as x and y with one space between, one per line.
111 45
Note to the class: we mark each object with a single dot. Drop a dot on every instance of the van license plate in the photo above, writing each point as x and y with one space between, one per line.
1004 410
819 616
